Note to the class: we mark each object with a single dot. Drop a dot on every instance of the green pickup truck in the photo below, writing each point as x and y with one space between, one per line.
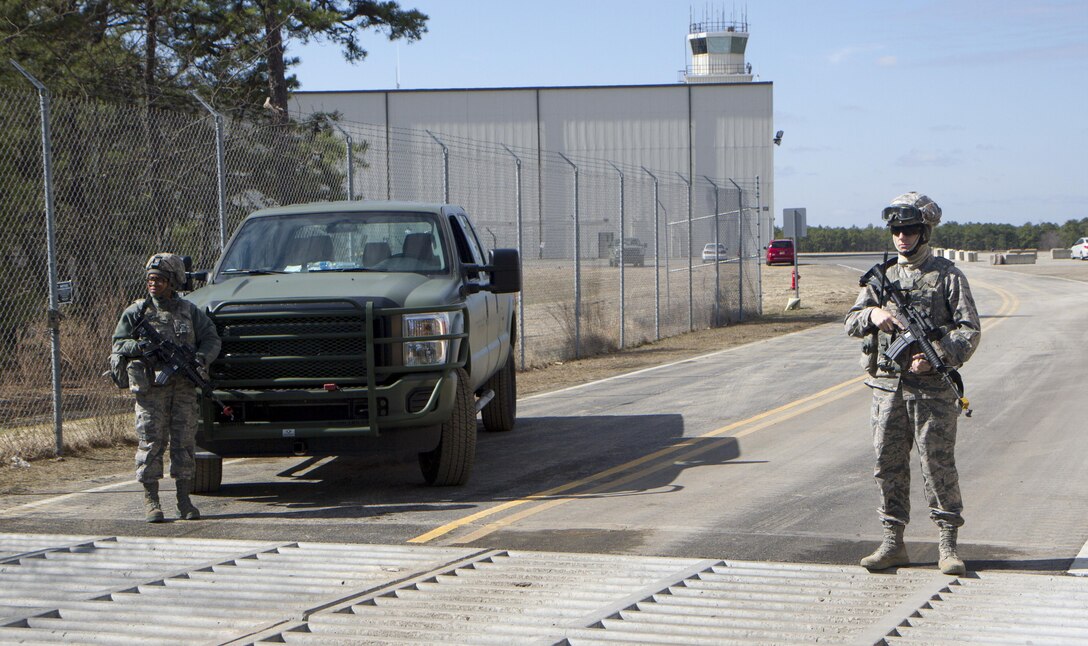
350 327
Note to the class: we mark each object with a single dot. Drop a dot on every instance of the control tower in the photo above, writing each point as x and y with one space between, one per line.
717 51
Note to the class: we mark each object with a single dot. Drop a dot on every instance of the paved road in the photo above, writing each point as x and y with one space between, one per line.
757 454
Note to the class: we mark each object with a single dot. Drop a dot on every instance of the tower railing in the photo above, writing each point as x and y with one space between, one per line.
717 25
714 69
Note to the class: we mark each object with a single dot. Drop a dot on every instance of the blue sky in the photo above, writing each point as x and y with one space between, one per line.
981 104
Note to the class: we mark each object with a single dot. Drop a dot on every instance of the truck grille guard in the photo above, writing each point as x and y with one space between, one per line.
323 343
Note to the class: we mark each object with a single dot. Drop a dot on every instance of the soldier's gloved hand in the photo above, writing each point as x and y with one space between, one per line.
129 348
144 346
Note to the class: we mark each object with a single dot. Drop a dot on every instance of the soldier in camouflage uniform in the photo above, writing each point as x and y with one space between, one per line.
912 404
165 414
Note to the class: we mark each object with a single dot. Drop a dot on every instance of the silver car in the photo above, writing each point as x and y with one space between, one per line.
709 254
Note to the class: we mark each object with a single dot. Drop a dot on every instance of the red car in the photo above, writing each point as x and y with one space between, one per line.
780 251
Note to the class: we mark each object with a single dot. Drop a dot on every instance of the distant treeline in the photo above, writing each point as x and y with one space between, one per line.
972 236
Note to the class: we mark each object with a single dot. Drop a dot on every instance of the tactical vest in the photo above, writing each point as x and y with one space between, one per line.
174 321
925 292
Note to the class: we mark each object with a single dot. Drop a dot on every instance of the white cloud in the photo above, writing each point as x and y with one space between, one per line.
917 158
842 55
887 61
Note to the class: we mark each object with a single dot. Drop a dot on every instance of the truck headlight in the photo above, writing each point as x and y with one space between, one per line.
426 353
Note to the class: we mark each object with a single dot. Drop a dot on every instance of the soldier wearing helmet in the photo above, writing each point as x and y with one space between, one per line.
166 415
912 403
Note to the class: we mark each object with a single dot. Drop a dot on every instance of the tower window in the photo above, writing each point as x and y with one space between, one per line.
726 44
698 45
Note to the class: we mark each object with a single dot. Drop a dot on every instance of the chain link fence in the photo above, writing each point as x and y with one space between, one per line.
128 182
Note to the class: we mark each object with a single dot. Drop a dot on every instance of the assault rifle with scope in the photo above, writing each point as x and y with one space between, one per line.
175 358
919 330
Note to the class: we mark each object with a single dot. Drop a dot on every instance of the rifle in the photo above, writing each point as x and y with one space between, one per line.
920 330
176 358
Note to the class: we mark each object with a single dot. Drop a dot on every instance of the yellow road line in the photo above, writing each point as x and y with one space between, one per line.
597 477
716 443
1009 303
546 499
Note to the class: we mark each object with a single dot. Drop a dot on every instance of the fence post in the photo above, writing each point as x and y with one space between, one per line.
350 159
445 168
521 249
691 279
623 259
740 250
657 263
53 314
759 248
717 261
220 168
577 266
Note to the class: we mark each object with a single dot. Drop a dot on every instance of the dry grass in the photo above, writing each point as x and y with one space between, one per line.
38 441
92 406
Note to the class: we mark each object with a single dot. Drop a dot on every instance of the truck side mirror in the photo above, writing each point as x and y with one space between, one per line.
505 271
187 262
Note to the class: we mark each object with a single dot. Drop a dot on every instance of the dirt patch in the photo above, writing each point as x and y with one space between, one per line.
70 473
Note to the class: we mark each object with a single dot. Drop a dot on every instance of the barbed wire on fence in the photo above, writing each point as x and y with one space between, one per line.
131 181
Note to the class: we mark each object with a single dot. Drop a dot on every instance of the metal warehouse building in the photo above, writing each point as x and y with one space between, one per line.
673 164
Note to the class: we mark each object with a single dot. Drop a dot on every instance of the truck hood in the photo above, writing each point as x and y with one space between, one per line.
385 289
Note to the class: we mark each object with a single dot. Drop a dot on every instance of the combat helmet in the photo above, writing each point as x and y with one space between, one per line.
911 209
168 265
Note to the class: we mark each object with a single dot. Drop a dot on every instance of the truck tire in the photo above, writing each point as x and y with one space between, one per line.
450 463
501 412
207 474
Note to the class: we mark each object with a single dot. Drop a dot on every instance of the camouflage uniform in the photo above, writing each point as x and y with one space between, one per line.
910 408
165 414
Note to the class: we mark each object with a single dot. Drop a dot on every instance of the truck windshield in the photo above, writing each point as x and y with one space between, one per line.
373 241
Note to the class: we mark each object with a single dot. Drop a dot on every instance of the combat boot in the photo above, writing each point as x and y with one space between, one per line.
186 509
950 562
152 509
892 552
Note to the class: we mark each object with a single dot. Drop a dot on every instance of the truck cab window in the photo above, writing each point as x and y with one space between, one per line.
468 247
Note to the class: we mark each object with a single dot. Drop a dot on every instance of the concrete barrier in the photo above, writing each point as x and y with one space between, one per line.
1060 254
1020 257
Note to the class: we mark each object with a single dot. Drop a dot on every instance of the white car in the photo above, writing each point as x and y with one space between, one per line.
710 256
1078 250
